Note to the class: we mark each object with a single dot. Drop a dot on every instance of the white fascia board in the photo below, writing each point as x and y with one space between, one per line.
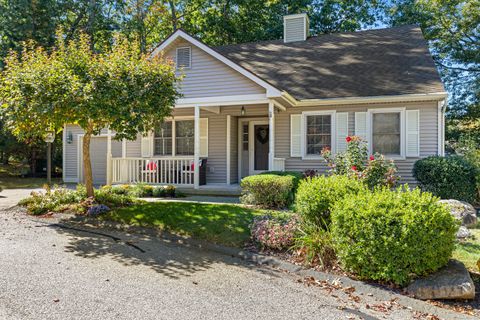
272 92
222 101
371 99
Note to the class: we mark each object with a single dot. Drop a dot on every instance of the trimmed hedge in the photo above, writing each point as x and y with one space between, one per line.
450 177
316 196
270 189
392 235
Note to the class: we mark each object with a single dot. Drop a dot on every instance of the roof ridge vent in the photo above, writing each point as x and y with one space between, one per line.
295 27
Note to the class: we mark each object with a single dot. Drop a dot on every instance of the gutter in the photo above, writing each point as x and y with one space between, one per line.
435 96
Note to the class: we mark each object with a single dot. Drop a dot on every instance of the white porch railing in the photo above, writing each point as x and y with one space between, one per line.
278 164
176 171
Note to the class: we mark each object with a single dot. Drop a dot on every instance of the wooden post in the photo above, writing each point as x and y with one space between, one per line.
228 144
109 157
196 157
271 134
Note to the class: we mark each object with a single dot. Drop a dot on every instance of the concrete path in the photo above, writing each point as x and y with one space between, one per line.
10 197
197 199
52 272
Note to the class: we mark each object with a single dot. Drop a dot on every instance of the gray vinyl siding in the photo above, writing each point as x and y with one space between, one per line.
209 77
428 135
72 156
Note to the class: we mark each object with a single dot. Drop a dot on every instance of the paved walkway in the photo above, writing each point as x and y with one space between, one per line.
10 197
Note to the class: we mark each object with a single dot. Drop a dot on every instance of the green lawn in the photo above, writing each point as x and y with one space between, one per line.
225 224
17 182
469 251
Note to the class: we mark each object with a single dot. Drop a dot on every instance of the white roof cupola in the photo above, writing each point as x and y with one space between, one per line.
295 27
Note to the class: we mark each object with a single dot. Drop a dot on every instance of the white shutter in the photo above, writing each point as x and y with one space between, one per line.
203 137
341 131
361 125
413 136
147 145
296 135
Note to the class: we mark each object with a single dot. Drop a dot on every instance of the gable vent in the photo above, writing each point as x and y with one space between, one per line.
184 57
295 27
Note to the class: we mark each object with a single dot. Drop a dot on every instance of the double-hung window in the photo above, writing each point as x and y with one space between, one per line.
175 138
318 132
387 134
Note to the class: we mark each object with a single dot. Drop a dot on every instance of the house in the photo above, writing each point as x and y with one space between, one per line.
274 105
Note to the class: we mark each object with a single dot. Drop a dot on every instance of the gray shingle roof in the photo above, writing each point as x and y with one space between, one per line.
378 62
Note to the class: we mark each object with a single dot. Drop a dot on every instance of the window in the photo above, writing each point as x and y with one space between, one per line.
184 137
387 133
318 133
245 137
163 139
184 57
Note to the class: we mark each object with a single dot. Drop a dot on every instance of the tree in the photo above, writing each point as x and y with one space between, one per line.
122 89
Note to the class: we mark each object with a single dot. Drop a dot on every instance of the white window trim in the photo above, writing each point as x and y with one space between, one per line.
190 57
403 130
174 136
333 141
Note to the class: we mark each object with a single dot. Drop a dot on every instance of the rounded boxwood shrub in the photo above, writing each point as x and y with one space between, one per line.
268 190
450 177
392 235
316 196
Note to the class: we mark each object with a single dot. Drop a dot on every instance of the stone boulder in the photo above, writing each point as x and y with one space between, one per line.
450 282
463 233
463 211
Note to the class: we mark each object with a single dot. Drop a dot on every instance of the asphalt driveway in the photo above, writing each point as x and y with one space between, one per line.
51 272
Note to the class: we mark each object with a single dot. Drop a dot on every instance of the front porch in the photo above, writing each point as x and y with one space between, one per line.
221 151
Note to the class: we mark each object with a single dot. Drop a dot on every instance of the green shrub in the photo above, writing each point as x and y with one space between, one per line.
392 235
314 246
158 192
450 177
296 175
140 190
268 190
316 196
170 191
62 199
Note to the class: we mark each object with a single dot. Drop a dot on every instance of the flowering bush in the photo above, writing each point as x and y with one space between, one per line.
97 210
274 233
373 170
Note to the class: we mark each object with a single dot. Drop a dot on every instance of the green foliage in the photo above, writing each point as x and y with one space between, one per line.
316 196
268 190
451 177
392 235
314 246
296 175
374 171
122 89
61 199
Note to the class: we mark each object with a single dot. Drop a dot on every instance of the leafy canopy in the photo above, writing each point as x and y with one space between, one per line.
121 89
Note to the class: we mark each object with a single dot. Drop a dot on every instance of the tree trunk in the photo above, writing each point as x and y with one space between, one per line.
87 165
174 15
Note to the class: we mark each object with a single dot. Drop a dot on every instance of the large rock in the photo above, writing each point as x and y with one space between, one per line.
463 233
463 211
450 282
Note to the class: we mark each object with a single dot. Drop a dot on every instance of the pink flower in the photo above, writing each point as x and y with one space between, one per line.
372 158
348 139
354 168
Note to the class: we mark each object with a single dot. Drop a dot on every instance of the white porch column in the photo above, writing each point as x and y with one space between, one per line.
271 135
109 157
228 144
196 155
